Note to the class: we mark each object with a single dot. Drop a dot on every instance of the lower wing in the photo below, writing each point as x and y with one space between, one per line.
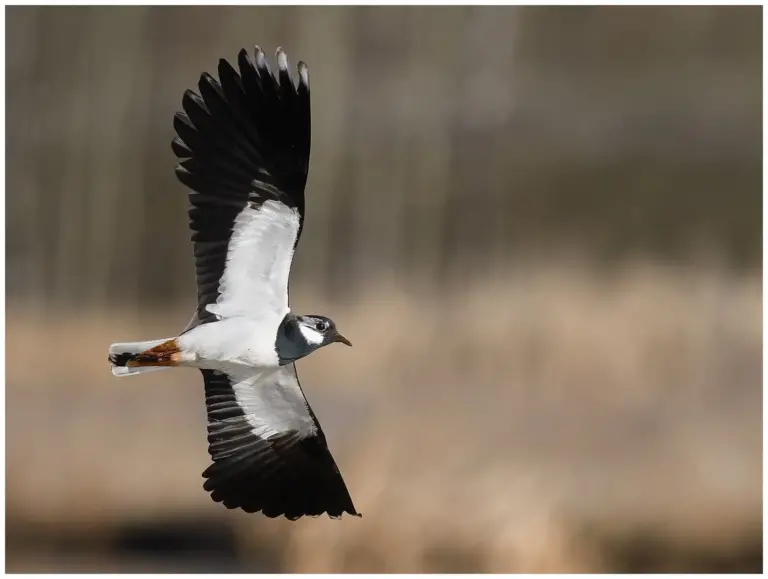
269 452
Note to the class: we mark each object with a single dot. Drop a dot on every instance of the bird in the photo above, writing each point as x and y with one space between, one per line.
243 144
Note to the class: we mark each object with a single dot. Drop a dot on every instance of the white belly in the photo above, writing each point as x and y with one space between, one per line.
238 340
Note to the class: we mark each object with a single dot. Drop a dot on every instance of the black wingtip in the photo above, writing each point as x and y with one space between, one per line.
281 58
244 57
248 121
282 476
261 61
303 71
192 98
180 149
285 80
207 79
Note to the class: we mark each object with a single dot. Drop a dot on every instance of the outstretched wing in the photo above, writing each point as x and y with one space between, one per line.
244 148
269 452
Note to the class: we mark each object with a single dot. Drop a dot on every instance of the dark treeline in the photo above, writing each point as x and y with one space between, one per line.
445 140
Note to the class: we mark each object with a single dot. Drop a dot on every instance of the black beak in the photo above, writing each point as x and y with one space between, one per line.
342 339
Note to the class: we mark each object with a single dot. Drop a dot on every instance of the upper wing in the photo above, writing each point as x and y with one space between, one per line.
244 144
269 452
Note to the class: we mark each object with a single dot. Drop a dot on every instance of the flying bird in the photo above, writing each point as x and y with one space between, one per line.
243 144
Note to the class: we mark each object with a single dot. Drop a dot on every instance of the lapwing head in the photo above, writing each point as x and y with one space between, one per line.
319 331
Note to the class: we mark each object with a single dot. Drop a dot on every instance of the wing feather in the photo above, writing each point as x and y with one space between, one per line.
243 145
268 450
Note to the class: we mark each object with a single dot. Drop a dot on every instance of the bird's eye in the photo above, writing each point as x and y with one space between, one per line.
321 325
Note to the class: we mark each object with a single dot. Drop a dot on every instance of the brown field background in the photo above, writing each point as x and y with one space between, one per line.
540 227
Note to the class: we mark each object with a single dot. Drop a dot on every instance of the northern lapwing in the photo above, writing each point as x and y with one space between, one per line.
243 145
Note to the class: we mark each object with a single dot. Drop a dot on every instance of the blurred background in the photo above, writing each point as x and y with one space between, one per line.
540 227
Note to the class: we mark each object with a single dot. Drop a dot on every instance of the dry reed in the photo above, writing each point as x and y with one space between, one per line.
500 427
